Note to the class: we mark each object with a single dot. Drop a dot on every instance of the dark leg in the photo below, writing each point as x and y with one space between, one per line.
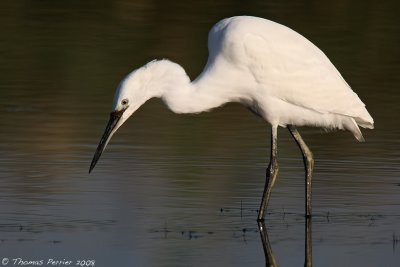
308 243
308 165
269 257
272 173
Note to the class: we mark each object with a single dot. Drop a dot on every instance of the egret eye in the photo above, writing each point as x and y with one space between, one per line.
124 101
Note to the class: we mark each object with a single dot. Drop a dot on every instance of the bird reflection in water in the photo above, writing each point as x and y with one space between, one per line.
269 256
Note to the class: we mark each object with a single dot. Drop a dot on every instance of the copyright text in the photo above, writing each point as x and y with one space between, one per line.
46 262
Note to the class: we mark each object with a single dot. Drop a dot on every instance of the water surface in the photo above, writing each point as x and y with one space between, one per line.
173 190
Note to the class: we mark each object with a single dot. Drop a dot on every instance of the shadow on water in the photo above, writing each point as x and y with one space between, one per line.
269 256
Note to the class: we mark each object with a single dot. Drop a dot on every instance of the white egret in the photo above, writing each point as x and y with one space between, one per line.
276 72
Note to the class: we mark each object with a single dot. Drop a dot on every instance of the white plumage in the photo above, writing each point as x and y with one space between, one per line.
266 66
270 68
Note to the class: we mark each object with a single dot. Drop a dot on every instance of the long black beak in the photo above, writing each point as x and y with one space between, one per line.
115 116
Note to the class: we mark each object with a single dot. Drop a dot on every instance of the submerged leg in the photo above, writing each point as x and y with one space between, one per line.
308 165
272 173
269 256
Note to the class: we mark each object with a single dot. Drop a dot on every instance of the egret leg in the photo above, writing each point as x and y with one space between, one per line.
272 173
308 243
269 256
308 165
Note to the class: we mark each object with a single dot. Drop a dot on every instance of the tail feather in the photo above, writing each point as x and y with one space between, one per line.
352 126
365 120
365 124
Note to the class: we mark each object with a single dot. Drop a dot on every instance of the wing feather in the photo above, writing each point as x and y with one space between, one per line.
291 68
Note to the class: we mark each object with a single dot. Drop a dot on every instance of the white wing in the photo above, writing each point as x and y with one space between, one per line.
291 68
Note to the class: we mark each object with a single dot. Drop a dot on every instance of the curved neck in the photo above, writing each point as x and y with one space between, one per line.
205 93
189 98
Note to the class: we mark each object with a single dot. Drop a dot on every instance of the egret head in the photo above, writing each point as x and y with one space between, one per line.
152 80
132 92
